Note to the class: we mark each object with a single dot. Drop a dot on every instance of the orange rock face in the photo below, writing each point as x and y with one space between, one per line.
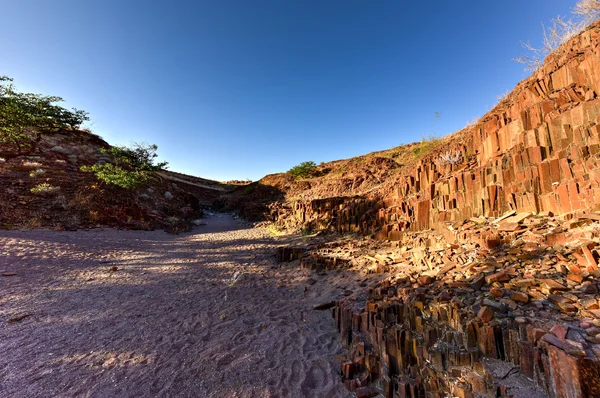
536 151
476 330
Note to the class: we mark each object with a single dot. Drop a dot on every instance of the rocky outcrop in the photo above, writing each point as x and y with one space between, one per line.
45 188
493 283
536 151
508 308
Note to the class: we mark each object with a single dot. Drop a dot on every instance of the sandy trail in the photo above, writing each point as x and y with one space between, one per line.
168 323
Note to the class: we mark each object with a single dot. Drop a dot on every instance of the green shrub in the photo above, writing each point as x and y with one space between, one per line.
118 176
130 167
428 142
303 170
44 188
24 116
37 173
305 232
140 157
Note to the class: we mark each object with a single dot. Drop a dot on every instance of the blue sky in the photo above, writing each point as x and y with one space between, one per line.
239 89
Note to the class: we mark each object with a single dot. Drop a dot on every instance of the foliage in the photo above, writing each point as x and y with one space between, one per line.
130 167
305 233
118 176
249 189
428 142
37 173
303 170
140 157
559 32
44 188
20 113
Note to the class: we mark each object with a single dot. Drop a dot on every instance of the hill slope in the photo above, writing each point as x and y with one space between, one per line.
536 151
69 198
487 243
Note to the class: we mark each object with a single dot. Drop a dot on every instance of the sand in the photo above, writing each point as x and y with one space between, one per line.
172 320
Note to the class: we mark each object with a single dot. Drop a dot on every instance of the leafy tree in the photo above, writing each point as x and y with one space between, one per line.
138 157
24 117
130 167
303 170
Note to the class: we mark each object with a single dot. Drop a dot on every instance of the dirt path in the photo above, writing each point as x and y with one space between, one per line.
169 322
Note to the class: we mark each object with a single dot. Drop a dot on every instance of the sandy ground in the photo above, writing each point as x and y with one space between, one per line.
171 321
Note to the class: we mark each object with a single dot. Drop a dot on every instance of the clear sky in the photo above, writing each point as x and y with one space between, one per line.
239 89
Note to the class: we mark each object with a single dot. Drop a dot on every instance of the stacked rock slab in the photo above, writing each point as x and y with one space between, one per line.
536 152
516 319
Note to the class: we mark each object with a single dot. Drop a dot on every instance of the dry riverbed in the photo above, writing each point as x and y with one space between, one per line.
108 313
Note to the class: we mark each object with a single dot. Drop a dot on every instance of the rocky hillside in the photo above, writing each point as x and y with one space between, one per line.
487 240
47 189
536 151
273 196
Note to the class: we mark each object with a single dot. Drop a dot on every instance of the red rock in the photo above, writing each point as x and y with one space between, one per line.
560 331
581 260
550 285
509 226
575 269
590 303
519 297
591 261
555 341
536 155
491 244
595 313
578 377
561 269
365 392
590 216
485 314
497 277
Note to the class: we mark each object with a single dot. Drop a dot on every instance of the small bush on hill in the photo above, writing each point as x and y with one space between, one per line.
37 173
115 175
428 142
139 157
303 170
44 188
130 168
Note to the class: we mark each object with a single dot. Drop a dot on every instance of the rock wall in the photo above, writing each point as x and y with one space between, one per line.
509 308
536 151
418 349
79 200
